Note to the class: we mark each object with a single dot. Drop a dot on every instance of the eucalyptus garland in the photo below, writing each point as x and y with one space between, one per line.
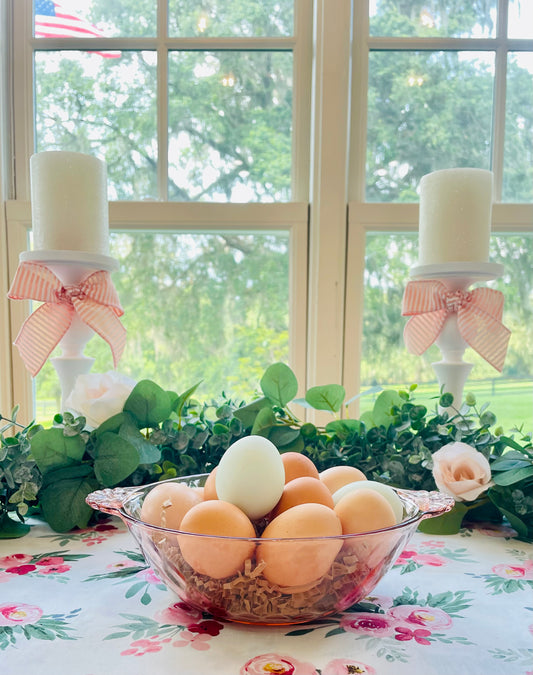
161 434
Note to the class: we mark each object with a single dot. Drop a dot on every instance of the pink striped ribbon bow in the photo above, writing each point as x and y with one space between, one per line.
94 300
479 313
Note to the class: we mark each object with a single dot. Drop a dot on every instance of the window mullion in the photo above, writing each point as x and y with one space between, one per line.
162 99
500 86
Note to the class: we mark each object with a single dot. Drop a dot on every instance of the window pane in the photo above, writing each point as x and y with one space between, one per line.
386 362
95 18
101 106
426 111
427 18
518 156
520 19
220 18
209 307
230 126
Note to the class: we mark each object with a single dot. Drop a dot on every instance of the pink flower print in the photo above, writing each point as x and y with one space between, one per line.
54 569
209 627
420 635
15 559
50 560
149 576
433 543
178 614
198 641
347 667
405 557
21 569
524 571
429 559
144 646
428 617
378 625
275 664
121 564
17 615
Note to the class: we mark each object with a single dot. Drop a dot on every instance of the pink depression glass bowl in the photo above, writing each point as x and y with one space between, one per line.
248 597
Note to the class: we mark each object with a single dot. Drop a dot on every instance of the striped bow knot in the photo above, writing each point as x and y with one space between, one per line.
94 300
479 313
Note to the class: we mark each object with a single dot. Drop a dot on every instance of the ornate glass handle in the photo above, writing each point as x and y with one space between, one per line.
431 504
110 500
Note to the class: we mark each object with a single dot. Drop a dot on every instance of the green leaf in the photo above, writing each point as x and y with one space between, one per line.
279 384
66 473
512 476
63 503
326 397
115 459
148 403
147 451
282 436
342 428
113 424
514 520
264 420
12 529
512 444
52 449
248 413
182 398
381 414
448 523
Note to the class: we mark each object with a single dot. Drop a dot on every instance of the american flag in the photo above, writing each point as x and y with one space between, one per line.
52 20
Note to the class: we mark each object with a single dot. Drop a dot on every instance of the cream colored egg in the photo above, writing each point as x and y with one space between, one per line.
217 557
251 475
337 476
384 490
167 503
299 561
364 511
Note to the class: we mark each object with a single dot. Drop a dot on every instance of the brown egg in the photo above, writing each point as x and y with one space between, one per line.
167 503
216 557
364 511
338 476
303 490
298 563
297 465
210 491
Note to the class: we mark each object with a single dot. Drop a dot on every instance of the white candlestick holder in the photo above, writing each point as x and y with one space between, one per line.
72 267
452 370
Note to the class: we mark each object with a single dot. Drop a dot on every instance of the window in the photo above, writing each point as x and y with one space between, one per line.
261 208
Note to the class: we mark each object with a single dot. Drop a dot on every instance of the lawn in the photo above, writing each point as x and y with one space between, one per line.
510 400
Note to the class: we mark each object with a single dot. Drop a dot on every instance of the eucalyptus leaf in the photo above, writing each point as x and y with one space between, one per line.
115 459
326 397
279 384
148 452
51 449
343 428
381 413
247 414
447 523
12 529
148 403
282 436
63 503
264 420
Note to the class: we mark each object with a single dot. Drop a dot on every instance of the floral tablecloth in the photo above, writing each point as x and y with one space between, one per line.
85 603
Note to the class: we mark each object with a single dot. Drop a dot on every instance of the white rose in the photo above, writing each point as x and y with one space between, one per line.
461 471
99 396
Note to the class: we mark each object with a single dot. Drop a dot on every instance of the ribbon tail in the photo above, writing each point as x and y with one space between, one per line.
485 334
104 321
422 330
40 334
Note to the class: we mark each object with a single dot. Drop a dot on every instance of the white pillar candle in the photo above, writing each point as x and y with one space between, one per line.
455 216
69 202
